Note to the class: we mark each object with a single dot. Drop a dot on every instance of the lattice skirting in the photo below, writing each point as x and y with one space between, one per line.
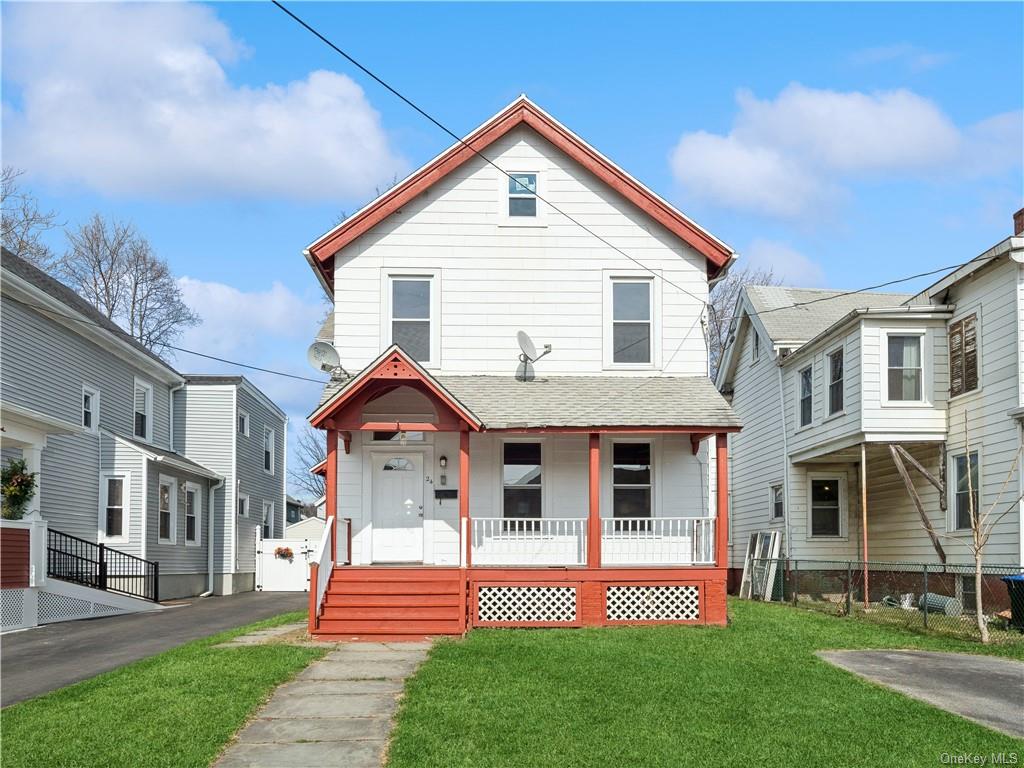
652 603
12 609
510 604
54 607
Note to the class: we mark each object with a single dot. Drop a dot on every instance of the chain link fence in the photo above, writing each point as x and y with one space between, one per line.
940 599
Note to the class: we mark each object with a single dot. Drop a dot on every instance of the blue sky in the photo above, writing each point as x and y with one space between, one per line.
844 144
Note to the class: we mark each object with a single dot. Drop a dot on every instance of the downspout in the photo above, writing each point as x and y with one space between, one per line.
172 391
211 532
785 460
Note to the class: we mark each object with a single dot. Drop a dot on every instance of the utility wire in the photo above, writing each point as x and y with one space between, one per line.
86 321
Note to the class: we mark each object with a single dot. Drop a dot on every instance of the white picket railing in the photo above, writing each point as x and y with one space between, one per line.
534 541
658 541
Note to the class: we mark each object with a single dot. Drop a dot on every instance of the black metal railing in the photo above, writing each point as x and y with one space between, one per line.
98 566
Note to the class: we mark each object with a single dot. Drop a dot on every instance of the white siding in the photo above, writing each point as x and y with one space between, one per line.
495 280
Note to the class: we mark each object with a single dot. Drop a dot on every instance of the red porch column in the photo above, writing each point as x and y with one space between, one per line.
594 516
464 521
332 489
722 500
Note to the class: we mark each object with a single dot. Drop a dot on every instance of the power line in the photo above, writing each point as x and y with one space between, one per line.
93 323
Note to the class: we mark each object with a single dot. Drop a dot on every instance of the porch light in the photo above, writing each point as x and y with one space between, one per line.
403 439
442 462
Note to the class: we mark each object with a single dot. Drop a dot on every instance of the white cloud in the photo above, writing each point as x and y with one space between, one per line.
794 154
787 264
135 99
913 57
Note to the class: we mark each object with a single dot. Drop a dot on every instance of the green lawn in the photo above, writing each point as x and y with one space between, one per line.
175 709
750 694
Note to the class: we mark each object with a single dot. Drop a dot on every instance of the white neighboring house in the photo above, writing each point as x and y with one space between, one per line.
815 385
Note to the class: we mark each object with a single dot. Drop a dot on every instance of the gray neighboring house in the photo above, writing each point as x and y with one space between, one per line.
820 386
96 414
233 428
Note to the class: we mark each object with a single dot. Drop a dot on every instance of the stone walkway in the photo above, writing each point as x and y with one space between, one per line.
337 711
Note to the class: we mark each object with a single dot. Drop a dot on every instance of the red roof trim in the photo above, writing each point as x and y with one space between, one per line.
392 366
520 112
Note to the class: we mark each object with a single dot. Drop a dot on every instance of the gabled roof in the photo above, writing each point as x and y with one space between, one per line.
90 316
522 111
171 458
786 317
1012 246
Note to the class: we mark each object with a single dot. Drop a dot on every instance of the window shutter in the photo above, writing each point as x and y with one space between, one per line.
956 358
970 342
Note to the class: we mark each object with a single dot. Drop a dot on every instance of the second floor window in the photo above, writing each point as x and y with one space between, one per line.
410 316
243 423
806 396
143 411
522 482
835 382
963 356
268 450
631 322
905 379
90 408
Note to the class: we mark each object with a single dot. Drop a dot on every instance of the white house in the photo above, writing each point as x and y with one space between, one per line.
579 488
826 382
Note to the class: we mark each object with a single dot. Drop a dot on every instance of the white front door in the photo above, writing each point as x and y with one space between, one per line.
397 507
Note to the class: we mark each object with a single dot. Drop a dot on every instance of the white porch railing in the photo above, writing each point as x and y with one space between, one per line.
320 573
534 541
658 541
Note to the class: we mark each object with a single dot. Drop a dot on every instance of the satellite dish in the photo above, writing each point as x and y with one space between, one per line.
527 346
323 357
528 356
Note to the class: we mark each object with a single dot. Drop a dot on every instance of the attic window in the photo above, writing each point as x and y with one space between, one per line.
755 350
522 195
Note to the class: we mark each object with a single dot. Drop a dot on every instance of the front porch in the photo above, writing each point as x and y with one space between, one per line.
456 520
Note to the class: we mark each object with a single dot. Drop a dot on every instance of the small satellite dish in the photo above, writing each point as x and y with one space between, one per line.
323 357
528 356
526 345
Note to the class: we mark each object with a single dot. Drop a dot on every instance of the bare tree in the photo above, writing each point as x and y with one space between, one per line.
311 449
115 269
724 300
23 222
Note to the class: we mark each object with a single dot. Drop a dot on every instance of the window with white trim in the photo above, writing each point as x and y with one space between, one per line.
268 519
114 497
522 482
410 316
143 410
631 483
243 423
835 382
522 195
965 493
963 356
193 504
632 328
755 347
806 396
905 377
268 450
243 505
777 500
166 508
90 408
828 499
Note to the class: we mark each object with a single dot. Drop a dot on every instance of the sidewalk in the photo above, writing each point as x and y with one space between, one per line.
337 712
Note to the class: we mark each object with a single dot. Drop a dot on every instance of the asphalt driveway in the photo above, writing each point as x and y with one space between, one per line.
985 689
39 660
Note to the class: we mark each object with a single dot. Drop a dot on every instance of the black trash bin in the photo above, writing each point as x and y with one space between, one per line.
1015 586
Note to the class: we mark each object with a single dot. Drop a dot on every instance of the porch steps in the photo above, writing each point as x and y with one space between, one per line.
391 603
